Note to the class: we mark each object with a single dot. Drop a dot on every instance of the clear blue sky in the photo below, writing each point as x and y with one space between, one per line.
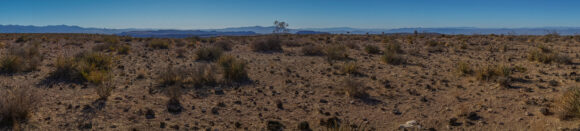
204 14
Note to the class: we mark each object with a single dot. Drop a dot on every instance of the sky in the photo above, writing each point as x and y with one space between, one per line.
213 14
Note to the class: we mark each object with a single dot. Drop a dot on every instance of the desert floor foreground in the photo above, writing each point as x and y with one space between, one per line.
287 88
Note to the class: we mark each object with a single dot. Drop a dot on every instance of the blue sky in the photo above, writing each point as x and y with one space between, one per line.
206 14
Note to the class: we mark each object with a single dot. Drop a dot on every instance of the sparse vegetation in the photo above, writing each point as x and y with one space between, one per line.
233 70
464 68
500 74
569 104
16 106
208 53
354 88
312 50
268 45
545 55
372 49
224 45
393 58
159 44
21 59
335 52
350 68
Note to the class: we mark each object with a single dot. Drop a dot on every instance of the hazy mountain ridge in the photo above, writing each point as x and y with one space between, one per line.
254 30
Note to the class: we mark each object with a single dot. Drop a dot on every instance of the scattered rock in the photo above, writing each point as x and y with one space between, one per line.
453 122
162 125
529 114
149 114
473 116
215 111
553 83
323 101
303 126
275 126
410 125
280 105
545 111
174 107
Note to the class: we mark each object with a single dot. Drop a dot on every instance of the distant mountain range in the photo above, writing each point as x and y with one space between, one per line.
256 30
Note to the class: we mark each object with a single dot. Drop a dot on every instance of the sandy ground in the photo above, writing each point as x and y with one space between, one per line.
426 89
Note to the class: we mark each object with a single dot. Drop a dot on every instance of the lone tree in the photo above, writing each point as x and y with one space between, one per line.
280 27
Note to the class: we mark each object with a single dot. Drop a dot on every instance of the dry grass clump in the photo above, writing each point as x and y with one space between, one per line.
350 68
224 45
568 104
372 49
335 52
180 52
233 70
312 50
354 88
2 44
500 74
112 44
208 53
352 45
268 45
21 59
393 58
394 47
92 67
545 55
464 68
16 106
159 44
104 90
200 75
171 76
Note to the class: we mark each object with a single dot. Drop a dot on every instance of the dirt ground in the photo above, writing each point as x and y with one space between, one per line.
287 88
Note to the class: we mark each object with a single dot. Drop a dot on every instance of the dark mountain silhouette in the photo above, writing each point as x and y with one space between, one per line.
254 30
184 33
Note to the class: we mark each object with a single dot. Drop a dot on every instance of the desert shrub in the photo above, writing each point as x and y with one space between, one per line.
111 43
311 50
10 64
354 88
267 45
350 68
104 90
92 67
66 69
159 44
201 75
500 74
180 52
123 49
372 49
171 76
394 47
21 59
233 70
568 104
16 106
393 58
208 53
352 45
335 52
224 45
464 68
547 56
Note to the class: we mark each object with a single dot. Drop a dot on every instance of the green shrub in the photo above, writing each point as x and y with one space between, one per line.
208 53
233 70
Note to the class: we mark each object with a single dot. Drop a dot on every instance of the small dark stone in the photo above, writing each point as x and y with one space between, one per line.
192 107
174 107
545 111
304 126
397 112
176 127
238 102
275 126
238 124
553 83
86 126
88 109
149 114
219 91
473 116
162 125
215 111
280 105
221 104
453 122
323 101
